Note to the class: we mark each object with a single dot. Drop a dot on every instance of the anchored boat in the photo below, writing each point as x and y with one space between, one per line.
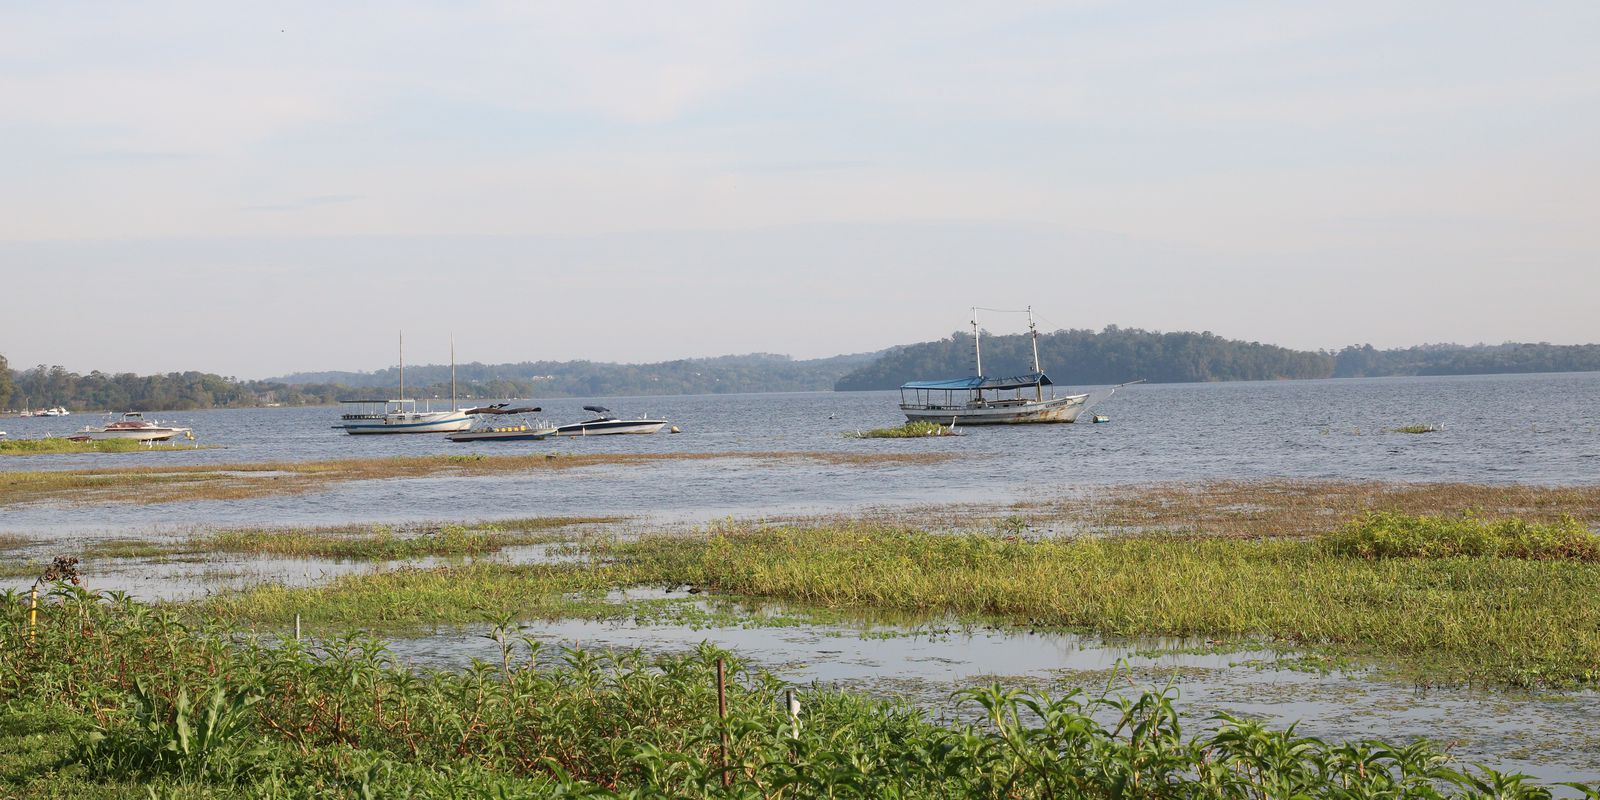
400 415
981 400
522 431
604 423
133 426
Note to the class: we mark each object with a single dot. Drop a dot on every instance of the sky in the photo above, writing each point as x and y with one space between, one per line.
255 190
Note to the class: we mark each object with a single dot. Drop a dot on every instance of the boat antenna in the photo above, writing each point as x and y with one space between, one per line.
454 406
402 365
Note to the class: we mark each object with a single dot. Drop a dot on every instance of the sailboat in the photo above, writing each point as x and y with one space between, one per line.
984 400
380 415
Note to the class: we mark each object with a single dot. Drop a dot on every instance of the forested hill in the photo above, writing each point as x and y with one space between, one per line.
1085 358
1114 355
755 372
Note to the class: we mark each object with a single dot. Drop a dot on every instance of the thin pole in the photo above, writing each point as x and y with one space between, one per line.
722 714
402 365
977 349
454 406
1038 388
33 612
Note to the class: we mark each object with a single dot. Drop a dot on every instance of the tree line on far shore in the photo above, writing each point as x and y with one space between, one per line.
1071 357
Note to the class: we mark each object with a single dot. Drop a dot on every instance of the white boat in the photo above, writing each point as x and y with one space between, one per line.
982 400
58 411
400 415
604 424
133 426
521 431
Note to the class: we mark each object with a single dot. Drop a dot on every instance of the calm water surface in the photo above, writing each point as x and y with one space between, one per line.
1496 429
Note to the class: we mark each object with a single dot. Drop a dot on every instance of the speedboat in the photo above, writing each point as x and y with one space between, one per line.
523 431
133 426
604 423
58 411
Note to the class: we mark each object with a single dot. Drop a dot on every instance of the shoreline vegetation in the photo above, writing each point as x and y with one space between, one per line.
166 484
195 699
910 430
54 445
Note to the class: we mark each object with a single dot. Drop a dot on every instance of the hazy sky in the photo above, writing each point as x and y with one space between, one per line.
257 189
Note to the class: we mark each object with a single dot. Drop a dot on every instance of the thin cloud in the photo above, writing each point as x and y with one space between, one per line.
305 203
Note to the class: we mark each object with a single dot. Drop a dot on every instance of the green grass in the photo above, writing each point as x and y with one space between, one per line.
1483 618
906 431
58 444
109 698
386 543
1388 535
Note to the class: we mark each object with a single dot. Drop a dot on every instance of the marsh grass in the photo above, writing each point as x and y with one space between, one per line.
1380 534
146 485
388 543
1416 429
60 444
909 430
108 695
1293 508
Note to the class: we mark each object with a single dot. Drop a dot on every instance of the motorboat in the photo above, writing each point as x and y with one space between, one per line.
984 400
57 411
523 431
133 426
605 423
401 415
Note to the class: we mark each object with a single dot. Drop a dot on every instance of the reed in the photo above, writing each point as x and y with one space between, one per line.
109 698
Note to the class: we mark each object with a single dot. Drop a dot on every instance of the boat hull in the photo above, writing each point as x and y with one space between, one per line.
611 426
502 436
146 435
424 422
1055 410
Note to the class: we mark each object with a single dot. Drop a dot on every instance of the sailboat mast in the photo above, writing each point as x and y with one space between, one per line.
402 365
977 349
1033 331
454 406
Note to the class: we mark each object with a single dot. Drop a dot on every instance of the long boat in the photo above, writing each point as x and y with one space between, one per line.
133 426
524 430
604 423
982 400
400 415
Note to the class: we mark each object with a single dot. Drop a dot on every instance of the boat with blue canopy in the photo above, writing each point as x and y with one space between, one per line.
982 400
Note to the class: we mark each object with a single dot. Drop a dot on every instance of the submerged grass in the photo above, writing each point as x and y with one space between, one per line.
234 481
1416 429
109 698
1299 508
60 444
1485 617
387 543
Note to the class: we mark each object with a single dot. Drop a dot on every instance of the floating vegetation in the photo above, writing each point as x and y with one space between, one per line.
1418 429
909 430
106 697
388 543
59 444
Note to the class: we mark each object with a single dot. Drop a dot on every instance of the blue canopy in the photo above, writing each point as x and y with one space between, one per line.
970 384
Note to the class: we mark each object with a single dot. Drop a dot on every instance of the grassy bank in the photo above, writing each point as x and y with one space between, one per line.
166 484
1492 614
107 698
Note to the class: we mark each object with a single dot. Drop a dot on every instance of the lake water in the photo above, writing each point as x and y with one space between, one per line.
1541 429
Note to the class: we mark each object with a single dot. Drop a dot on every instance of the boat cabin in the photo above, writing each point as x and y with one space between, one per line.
978 392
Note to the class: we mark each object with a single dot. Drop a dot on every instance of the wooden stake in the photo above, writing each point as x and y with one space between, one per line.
722 714
33 612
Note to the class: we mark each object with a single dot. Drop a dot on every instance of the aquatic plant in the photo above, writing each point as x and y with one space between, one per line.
105 689
1416 429
61 444
909 430
1381 534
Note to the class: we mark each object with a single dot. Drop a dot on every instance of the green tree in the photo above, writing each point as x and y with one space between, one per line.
5 382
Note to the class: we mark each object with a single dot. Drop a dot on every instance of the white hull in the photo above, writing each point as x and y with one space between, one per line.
145 435
1058 409
418 422
611 426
